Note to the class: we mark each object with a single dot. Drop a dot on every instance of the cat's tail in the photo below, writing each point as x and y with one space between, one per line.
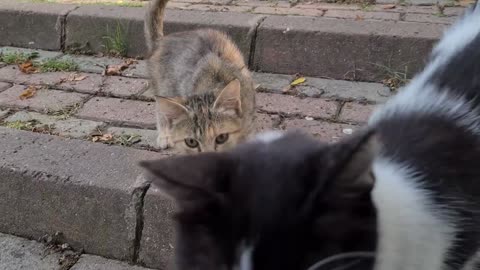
154 22
449 86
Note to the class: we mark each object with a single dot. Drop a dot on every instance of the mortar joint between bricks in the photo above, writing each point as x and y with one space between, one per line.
138 201
340 106
63 30
253 43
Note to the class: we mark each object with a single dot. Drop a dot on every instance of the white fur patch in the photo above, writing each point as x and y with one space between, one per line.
413 232
421 97
268 136
427 99
245 259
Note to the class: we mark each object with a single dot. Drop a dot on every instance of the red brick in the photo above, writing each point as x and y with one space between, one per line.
290 105
266 122
356 113
289 11
326 6
254 3
124 87
329 132
178 5
44 99
131 112
4 86
217 8
429 18
60 80
13 74
91 84
362 15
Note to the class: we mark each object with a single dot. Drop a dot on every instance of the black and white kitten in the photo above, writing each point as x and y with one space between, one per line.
405 187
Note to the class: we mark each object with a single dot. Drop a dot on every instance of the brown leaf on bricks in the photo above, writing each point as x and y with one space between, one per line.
102 138
389 6
28 93
27 68
359 18
116 70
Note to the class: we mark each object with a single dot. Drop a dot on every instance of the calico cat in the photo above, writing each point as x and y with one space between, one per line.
404 188
203 90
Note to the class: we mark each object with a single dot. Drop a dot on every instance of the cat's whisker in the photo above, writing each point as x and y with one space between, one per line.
342 256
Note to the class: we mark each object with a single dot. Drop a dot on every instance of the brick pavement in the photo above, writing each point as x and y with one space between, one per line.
85 103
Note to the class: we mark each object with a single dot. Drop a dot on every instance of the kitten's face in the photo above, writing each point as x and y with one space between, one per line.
205 123
270 205
216 132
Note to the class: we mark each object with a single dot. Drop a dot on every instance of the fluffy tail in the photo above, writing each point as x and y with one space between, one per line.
154 22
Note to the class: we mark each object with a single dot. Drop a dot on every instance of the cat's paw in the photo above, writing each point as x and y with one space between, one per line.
164 142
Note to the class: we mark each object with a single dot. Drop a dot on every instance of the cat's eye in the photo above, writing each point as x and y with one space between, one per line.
222 138
192 143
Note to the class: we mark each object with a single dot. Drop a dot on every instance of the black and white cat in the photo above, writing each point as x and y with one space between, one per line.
404 188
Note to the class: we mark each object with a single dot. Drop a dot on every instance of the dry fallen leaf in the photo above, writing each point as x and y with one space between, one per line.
359 18
298 81
116 70
389 6
28 93
102 138
76 77
27 67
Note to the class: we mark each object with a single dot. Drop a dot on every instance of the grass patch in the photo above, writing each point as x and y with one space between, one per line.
394 79
11 58
31 125
65 113
126 140
115 43
52 65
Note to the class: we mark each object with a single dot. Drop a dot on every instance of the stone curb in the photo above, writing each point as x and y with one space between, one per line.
342 49
92 193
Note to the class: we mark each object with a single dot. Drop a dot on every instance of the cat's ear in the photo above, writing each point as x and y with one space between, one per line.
351 163
171 108
229 99
189 178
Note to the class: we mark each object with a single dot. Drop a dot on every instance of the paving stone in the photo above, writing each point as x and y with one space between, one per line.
4 86
289 11
124 87
356 113
429 18
91 84
71 127
131 112
87 191
157 243
147 137
137 70
362 15
42 55
344 50
289 105
266 122
18 253
4 113
32 25
13 74
326 88
44 99
329 132
92 64
216 8
148 95
91 262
